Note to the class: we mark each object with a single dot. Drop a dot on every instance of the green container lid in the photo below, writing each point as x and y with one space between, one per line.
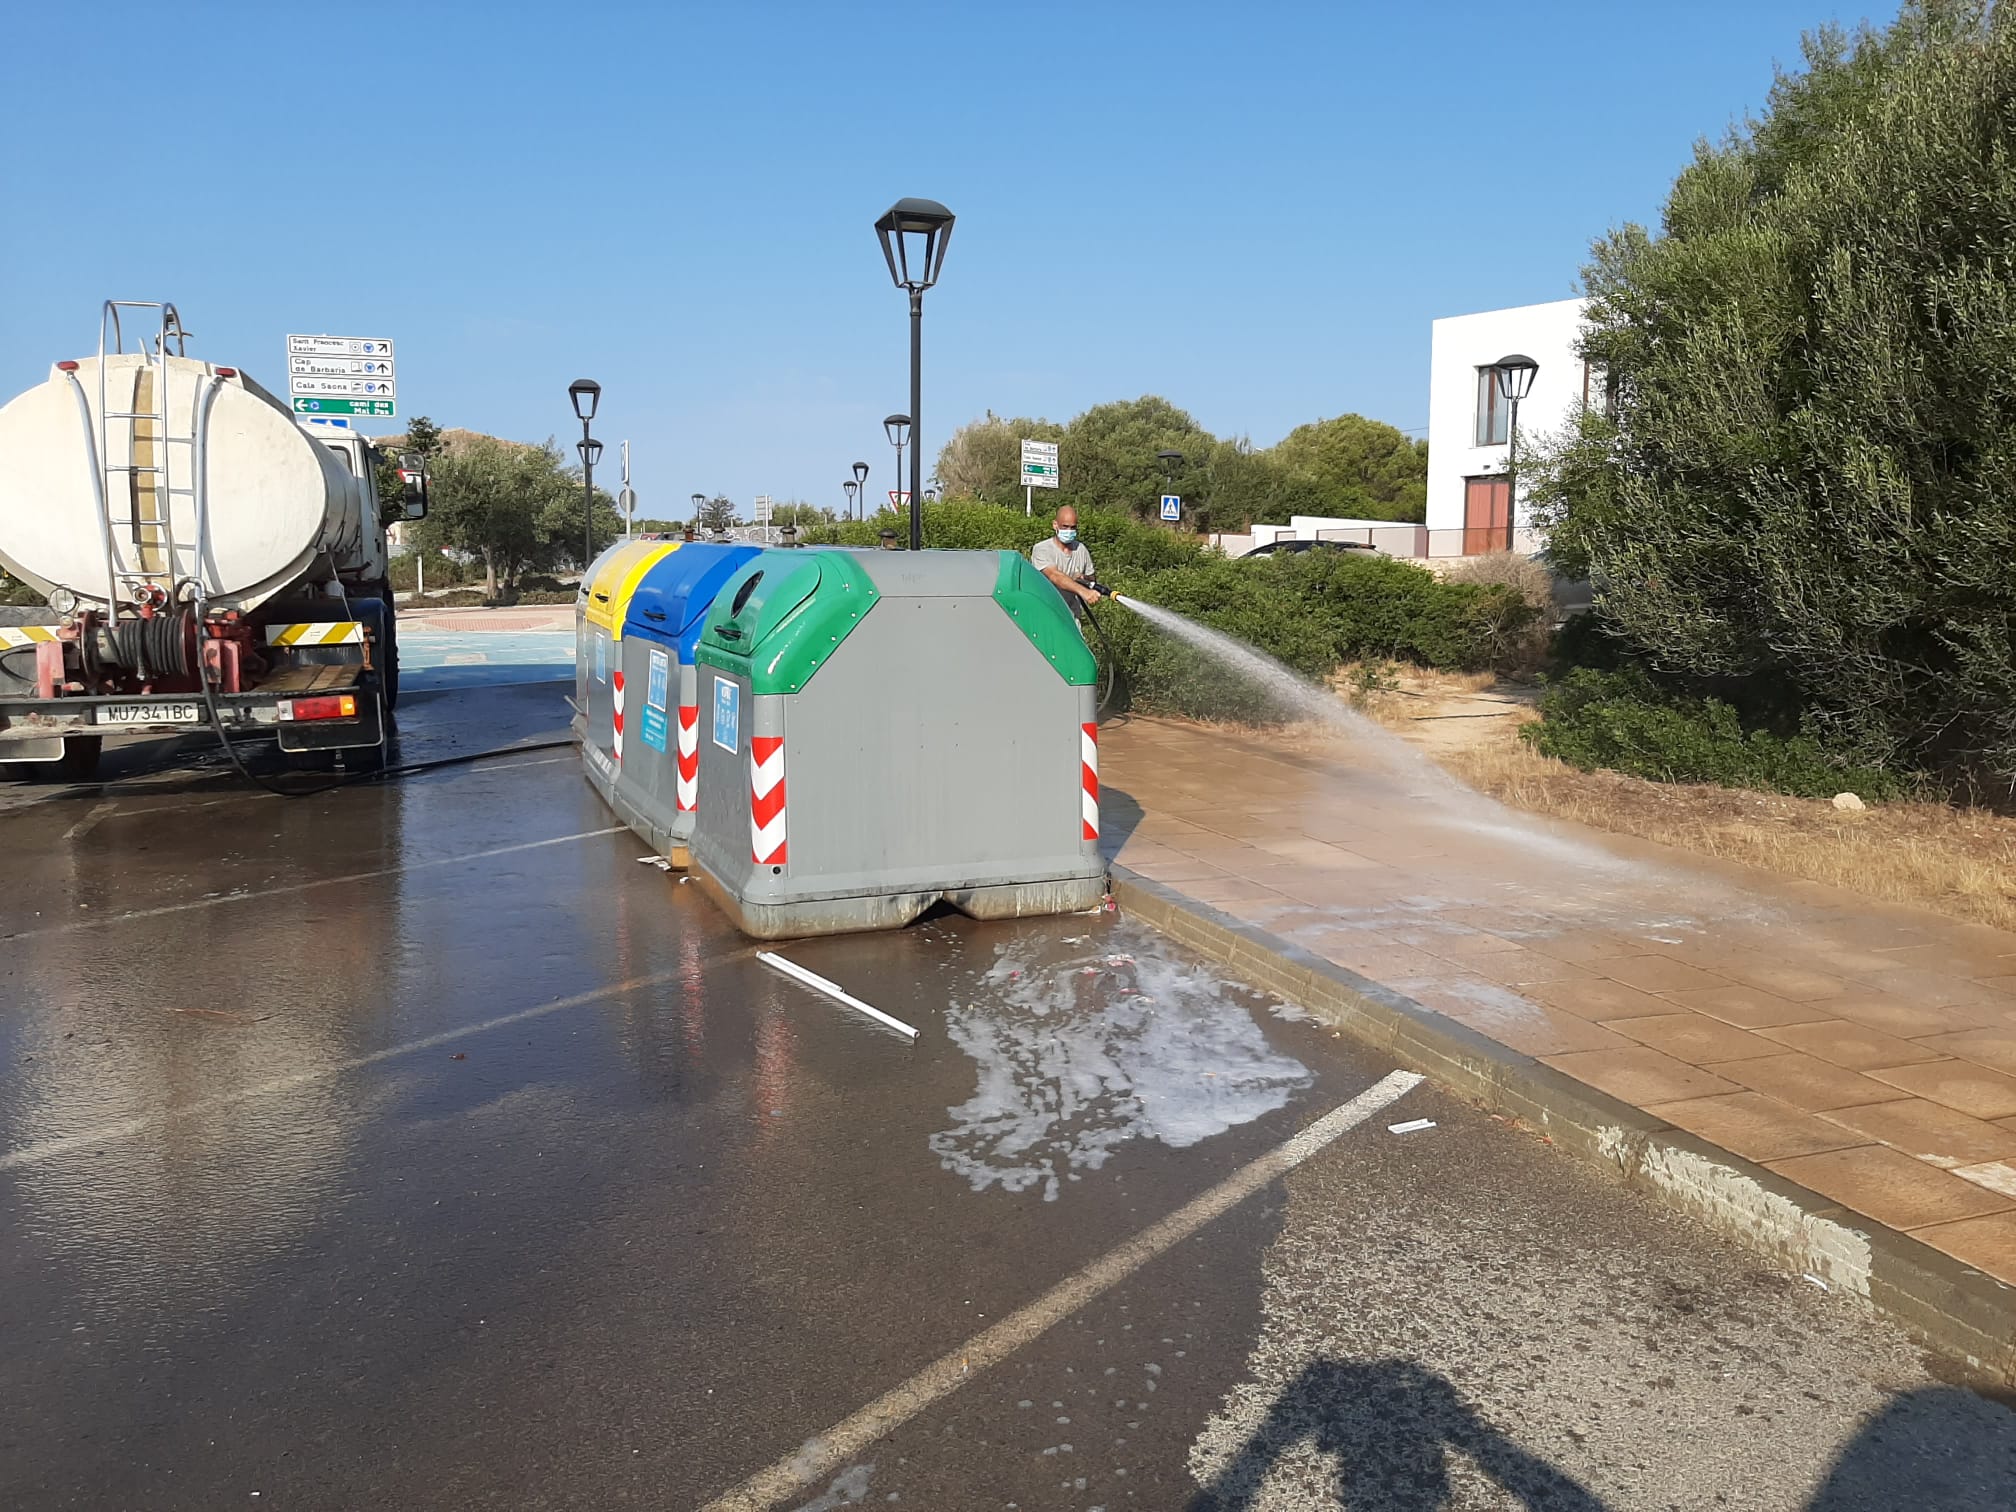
780 619
1033 602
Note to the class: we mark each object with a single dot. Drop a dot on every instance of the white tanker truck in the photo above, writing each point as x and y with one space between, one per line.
204 559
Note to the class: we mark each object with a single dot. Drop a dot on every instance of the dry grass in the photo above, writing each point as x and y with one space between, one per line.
1961 862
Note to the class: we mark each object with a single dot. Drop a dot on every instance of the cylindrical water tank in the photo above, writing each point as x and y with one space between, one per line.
275 499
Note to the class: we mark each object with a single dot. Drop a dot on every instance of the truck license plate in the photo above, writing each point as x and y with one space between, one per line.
150 713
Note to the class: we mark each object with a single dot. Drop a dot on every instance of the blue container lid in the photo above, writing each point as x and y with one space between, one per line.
671 602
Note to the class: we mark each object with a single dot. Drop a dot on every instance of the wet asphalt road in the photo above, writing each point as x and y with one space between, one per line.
413 1146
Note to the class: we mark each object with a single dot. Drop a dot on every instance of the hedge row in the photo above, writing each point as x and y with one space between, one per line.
1312 611
1622 721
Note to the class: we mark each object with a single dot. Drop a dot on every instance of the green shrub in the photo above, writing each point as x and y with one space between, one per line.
1622 722
1312 611
1117 543
442 571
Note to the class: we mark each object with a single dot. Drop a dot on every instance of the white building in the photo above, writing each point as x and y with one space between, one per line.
1469 421
1470 508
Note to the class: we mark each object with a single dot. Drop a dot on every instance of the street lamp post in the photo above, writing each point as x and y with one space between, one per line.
853 491
1170 460
587 394
896 428
914 234
1514 375
861 483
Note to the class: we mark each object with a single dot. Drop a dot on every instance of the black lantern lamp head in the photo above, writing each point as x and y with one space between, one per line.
586 394
915 233
591 450
861 474
1515 375
897 427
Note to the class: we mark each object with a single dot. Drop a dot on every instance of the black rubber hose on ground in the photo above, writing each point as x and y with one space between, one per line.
1112 663
407 769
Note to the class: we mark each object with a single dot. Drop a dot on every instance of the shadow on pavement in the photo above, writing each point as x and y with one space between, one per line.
1119 817
1940 1449
1391 1425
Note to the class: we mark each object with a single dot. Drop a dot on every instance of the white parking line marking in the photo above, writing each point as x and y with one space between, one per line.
86 1139
90 821
843 1443
301 887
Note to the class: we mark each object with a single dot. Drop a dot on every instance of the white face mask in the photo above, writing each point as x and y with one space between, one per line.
1068 534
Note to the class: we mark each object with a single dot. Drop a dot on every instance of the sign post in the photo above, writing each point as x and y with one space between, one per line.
342 375
626 500
1039 470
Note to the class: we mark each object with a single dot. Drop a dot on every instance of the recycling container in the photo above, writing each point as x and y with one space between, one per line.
882 730
654 786
598 634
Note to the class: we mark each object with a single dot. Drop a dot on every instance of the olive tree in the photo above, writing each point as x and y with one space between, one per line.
1806 495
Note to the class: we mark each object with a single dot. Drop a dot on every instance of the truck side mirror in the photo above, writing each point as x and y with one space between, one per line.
413 498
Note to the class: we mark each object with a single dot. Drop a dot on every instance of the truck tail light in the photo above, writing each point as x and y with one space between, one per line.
336 706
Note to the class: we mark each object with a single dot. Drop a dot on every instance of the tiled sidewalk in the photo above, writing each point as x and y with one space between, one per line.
1863 1051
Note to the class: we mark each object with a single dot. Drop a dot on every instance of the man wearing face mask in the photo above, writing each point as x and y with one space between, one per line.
1062 558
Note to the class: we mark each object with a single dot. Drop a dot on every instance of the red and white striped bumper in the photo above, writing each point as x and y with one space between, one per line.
689 758
766 800
1088 778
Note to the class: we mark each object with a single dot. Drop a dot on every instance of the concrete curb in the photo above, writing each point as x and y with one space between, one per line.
1952 1308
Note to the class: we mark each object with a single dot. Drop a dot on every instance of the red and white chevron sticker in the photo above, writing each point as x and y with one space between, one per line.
1088 778
766 800
689 758
616 685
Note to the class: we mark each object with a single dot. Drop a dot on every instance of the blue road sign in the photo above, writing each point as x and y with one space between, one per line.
1172 507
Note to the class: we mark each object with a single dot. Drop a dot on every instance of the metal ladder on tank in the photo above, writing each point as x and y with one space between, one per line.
151 572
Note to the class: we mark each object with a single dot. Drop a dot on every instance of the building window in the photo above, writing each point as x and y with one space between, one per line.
1598 393
1491 410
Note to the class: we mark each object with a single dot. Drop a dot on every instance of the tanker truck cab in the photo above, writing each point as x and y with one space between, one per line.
207 563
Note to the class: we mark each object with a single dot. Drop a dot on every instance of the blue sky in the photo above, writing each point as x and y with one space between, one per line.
1252 209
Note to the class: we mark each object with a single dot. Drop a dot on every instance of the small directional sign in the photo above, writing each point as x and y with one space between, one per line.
1172 507
340 367
339 346
342 388
1039 464
383 409
341 375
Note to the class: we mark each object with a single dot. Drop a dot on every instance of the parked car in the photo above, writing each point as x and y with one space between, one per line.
1287 548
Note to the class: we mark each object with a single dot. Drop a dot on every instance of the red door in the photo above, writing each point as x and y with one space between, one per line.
1487 515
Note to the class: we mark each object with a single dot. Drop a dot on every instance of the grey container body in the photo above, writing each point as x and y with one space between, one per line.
644 789
935 755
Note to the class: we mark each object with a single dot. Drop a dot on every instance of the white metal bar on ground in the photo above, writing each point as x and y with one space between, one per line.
833 990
